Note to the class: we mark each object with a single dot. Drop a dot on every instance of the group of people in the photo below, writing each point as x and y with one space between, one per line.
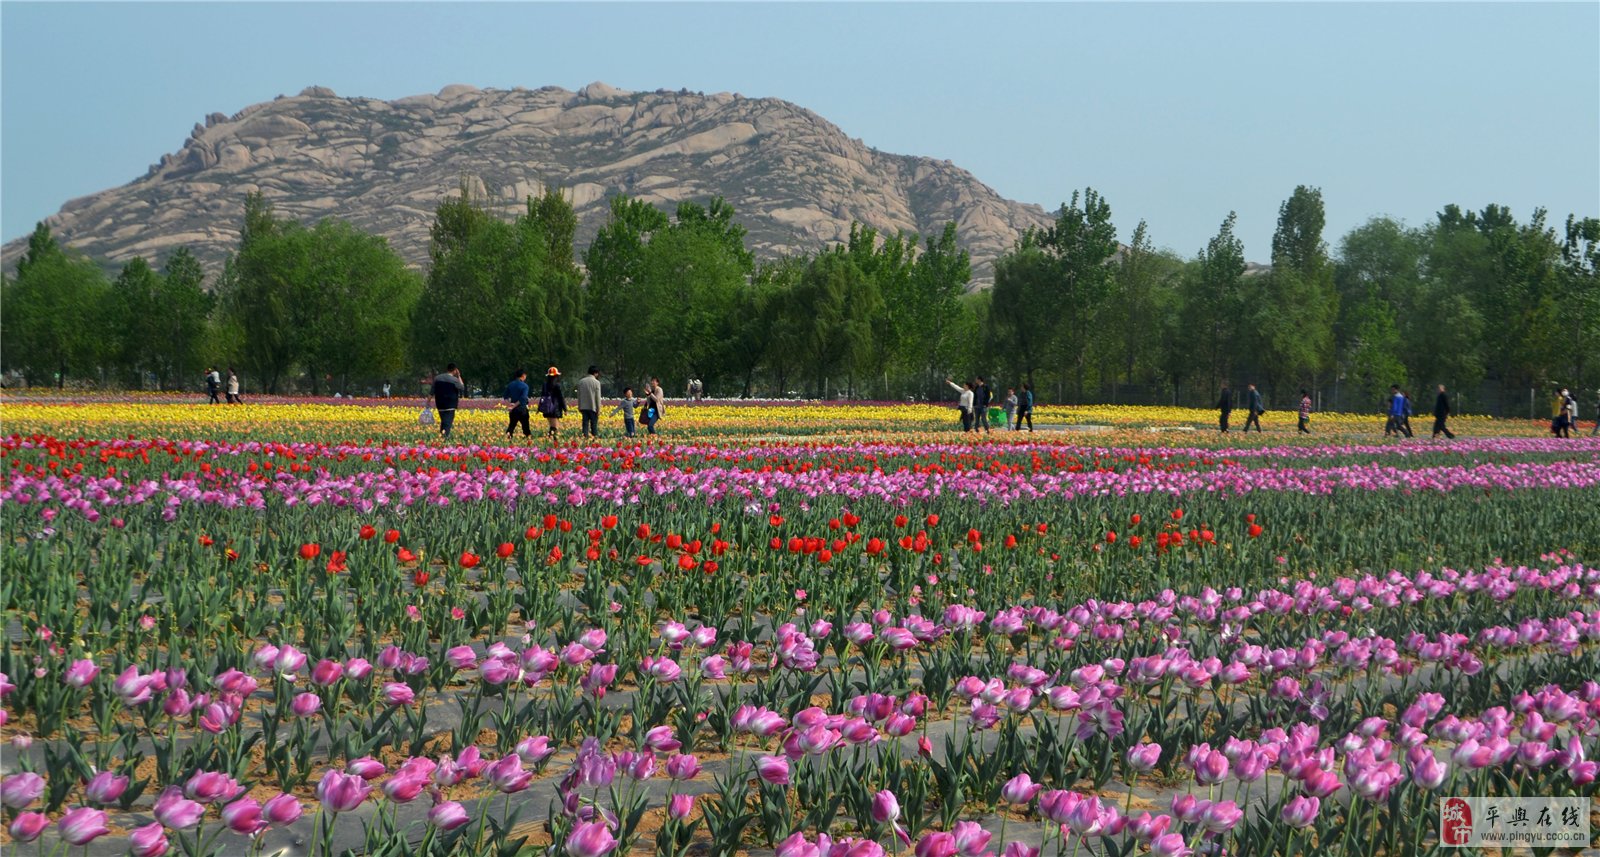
1564 414
974 401
1257 407
214 386
445 398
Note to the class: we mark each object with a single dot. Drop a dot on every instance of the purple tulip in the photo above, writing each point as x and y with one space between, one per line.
680 806
1428 772
148 841
82 826
683 767
508 775
211 787
590 839
534 749
1020 789
404 788
243 816
366 767
885 807
134 689
1170 845
660 740
1144 757
341 792
326 672
27 826
773 769
1301 811
1221 816
447 815
282 810
461 657
106 787
1211 767
21 789
176 812
80 673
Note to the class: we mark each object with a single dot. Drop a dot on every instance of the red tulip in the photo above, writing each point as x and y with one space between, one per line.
310 551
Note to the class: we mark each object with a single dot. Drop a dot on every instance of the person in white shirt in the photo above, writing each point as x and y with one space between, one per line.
965 403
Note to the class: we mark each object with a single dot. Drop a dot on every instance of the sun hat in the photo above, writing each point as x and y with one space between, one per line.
552 371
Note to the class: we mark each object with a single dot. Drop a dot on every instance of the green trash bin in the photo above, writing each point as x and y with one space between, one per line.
997 418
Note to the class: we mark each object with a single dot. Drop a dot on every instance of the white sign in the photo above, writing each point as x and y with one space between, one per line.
1504 822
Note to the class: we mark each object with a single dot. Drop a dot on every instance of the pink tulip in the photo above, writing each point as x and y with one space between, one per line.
680 806
82 826
282 810
1143 757
1020 789
326 672
404 788
683 767
773 769
106 787
305 704
243 817
397 694
447 815
27 826
508 775
1301 812
176 812
660 740
211 787
590 839
341 792
21 789
366 767
80 673
885 807
1170 845
149 840
797 846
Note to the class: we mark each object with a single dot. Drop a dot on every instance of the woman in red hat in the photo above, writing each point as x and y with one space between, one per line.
552 402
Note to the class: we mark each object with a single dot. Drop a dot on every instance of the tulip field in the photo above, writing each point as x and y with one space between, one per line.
795 629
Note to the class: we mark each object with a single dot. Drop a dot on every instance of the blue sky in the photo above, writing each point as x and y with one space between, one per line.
1177 113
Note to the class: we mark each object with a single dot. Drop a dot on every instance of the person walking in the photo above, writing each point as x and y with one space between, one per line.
625 406
655 405
1010 405
553 402
1305 412
386 389
964 403
1025 407
517 398
1405 418
1596 430
589 402
1441 414
981 397
1256 410
1567 416
1224 408
1399 411
233 388
446 393
213 385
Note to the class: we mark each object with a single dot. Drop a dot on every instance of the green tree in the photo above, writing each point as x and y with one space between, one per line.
53 320
615 307
1213 302
932 307
1295 307
183 307
1026 284
1083 241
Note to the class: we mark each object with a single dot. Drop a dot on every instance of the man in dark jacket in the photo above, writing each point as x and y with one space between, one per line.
447 390
1441 412
1257 408
1225 408
980 404
517 399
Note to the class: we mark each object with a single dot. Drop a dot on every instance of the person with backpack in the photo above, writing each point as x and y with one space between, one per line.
553 402
1025 407
517 398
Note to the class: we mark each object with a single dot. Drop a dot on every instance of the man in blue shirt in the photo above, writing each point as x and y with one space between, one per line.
1399 411
447 390
517 397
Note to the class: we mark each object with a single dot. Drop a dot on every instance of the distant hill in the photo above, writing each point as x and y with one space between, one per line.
794 178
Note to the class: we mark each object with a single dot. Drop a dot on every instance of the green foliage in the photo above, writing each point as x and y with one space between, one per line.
54 320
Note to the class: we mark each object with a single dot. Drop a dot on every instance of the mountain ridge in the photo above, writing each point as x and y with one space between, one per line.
795 179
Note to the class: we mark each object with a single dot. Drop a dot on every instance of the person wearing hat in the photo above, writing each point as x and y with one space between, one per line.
589 402
552 402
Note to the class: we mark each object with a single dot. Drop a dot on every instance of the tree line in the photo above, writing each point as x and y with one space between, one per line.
1472 297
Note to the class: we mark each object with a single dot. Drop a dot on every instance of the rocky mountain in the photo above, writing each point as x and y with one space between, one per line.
794 178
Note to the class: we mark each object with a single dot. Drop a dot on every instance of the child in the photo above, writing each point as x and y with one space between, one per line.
625 406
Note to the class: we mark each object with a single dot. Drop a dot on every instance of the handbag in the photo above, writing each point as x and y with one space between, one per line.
426 417
548 406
